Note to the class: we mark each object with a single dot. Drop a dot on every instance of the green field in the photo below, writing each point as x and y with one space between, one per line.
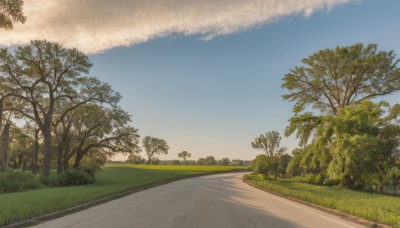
374 207
114 178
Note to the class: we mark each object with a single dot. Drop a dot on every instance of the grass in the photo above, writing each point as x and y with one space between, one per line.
374 207
114 178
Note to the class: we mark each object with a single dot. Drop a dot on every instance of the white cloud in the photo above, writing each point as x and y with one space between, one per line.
97 25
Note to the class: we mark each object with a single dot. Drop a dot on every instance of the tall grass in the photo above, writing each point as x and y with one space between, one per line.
114 178
374 207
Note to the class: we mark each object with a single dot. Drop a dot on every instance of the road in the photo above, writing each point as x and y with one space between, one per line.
215 201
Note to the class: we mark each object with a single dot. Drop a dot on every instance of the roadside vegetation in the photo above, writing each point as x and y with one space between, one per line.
114 178
374 207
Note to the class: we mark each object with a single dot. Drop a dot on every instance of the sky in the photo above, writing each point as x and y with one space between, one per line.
206 75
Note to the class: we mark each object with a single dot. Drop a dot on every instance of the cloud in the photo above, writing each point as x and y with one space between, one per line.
97 25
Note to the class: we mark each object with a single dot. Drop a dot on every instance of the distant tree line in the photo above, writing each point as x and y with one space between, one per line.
209 160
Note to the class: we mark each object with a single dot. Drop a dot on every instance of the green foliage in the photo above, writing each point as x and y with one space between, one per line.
184 155
356 134
135 159
154 146
283 162
70 177
91 167
270 144
15 181
260 164
353 139
210 160
74 177
334 78
224 161
10 13
374 207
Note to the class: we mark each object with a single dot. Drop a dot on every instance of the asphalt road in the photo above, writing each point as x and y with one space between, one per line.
216 201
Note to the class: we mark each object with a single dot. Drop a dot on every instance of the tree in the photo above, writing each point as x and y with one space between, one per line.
270 144
339 84
154 146
184 155
394 175
334 78
283 163
224 161
135 159
260 164
210 160
201 161
10 13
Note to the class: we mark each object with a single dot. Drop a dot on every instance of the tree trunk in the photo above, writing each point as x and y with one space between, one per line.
66 156
23 165
2 153
148 161
78 158
47 148
60 148
4 146
35 157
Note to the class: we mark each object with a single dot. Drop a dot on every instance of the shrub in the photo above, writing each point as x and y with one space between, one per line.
91 167
71 177
16 181
320 178
311 179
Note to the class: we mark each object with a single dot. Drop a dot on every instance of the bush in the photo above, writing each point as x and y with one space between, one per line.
311 179
71 177
91 168
16 181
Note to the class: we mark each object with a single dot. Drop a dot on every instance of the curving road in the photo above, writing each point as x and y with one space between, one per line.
216 201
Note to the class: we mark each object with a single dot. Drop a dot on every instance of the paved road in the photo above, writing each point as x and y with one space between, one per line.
216 201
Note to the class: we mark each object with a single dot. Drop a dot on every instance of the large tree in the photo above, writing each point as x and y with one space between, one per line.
154 146
332 92
10 13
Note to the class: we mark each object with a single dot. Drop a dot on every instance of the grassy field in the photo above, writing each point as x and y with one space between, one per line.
374 207
114 178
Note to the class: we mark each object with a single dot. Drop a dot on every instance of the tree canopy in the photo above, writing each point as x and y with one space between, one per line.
154 146
333 78
10 13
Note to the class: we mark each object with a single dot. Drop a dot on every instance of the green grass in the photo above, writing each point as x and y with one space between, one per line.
374 207
114 178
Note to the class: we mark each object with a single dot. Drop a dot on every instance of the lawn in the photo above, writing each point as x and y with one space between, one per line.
374 207
114 178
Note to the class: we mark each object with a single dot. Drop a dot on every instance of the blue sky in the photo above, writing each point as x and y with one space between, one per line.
214 97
